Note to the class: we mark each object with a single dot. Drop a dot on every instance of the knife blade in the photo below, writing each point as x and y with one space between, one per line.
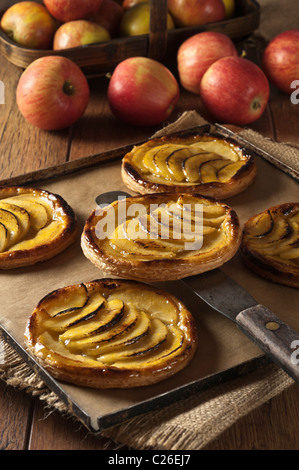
273 336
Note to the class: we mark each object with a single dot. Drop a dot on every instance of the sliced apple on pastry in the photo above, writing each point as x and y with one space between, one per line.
270 244
207 164
140 336
106 316
39 225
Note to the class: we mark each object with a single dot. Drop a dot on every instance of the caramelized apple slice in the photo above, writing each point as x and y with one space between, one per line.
65 300
4 237
191 165
157 334
209 170
12 225
153 303
39 216
140 329
127 321
61 322
44 235
218 147
49 347
174 341
226 173
175 161
21 214
104 318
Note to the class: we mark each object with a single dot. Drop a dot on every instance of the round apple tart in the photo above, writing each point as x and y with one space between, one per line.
208 164
35 225
161 237
111 333
270 244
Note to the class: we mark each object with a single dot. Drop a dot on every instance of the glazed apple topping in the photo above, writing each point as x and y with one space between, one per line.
181 227
26 221
203 161
124 326
274 234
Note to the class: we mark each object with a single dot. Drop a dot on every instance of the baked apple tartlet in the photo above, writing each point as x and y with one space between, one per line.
35 225
161 237
208 164
111 333
270 244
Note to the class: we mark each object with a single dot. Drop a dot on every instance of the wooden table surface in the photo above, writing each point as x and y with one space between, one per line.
24 422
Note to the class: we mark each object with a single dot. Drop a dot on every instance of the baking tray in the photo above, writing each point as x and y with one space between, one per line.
223 351
159 44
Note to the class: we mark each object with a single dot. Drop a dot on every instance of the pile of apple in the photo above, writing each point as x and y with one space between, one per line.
53 92
63 24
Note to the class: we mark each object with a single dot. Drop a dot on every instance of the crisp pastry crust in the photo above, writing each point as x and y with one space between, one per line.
161 237
270 244
35 225
208 164
111 333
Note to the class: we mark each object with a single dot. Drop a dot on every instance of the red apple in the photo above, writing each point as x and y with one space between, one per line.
52 93
235 90
142 91
197 53
77 33
68 10
196 12
29 24
109 16
281 60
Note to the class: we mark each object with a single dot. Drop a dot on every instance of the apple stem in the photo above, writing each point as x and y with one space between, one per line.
256 105
68 88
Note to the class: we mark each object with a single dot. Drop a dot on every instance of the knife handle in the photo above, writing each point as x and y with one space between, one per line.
273 336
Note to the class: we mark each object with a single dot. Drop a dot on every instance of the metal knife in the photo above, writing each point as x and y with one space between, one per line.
274 337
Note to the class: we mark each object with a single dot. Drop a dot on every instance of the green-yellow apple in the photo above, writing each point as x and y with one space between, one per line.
30 25
281 60
78 33
229 8
142 91
68 10
109 16
197 53
136 20
235 90
52 93
196 12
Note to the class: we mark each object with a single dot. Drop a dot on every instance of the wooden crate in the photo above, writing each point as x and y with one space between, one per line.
159 44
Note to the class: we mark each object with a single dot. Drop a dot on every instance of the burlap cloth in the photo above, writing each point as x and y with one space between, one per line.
192 423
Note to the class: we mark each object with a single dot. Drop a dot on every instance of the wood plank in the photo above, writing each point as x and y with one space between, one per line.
15 410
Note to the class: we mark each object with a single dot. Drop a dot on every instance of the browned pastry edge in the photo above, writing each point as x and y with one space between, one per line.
270 269
24 258
239 183
109 376
157 270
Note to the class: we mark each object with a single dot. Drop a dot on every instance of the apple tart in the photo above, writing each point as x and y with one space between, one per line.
208 164
270 244
35 225
111 333
161 237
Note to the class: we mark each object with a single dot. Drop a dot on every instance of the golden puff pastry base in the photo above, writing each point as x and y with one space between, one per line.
208 164
153 254
270 244
35 225
111 333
